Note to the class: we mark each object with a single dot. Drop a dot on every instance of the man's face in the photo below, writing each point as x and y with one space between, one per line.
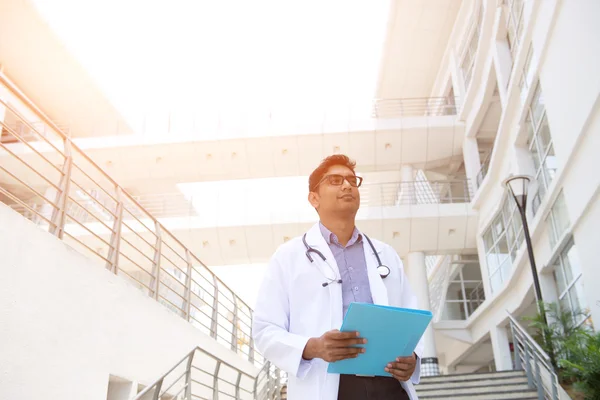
331 198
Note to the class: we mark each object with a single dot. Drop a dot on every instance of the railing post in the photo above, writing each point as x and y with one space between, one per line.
516 350
234 329
115 237
216 381
188 285
64 185
538 378
528 365
278 384
156 263
188 377
156 394
237 385
213 322
251 343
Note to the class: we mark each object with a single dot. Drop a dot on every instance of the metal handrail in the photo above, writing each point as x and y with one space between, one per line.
82 205
175 204
185 378
529 356
414 107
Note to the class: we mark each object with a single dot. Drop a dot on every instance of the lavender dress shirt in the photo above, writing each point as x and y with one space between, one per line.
352 266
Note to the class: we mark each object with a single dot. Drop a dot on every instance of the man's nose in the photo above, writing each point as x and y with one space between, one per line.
346 184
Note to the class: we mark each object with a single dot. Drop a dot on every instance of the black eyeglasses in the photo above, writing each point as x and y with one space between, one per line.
338 180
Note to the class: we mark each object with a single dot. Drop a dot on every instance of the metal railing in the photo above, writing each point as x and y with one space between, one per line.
173 204
414 107
530 357
50 181
485 166
476 298
201 375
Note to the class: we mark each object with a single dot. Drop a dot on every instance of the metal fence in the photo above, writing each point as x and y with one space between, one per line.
414 107
200 375
49 180
529 356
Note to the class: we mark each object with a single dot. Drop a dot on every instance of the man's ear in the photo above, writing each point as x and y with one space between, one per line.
313 199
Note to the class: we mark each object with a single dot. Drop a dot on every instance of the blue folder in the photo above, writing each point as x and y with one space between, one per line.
390 332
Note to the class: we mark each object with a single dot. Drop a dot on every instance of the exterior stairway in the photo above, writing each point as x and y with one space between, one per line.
479 386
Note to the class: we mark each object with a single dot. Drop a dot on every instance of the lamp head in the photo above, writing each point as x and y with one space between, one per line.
518 186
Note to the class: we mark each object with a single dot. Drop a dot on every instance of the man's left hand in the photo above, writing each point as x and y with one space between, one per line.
403 367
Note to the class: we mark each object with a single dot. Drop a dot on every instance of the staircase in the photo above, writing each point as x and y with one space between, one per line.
478 386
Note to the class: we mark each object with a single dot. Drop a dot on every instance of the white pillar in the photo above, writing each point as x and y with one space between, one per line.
501 348
406 191
472 161
417 277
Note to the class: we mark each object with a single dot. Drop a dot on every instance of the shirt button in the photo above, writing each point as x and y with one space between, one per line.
356 288
350 268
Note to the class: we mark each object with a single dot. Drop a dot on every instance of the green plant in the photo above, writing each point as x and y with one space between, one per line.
584 366
561 334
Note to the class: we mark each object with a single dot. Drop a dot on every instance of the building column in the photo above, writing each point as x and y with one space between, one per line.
472 161
406 191
501 348
417 277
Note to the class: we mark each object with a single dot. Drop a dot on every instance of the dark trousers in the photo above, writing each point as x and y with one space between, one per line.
354 387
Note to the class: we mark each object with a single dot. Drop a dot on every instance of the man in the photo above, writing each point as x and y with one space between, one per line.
308 286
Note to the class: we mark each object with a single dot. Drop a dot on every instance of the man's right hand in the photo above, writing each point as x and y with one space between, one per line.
334 346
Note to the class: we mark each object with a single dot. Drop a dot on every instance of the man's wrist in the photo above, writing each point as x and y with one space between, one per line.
309 351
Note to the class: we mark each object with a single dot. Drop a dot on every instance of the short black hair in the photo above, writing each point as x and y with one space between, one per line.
336 159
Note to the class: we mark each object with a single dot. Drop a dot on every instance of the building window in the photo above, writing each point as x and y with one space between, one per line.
526 75
539 141
469 53
567 273
514 24
558 220
502 240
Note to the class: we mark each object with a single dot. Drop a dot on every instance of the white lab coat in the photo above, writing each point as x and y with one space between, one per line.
292 307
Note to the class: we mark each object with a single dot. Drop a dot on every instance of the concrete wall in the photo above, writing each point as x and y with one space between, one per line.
68 323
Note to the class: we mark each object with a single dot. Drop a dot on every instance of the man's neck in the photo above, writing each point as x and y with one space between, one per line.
341 228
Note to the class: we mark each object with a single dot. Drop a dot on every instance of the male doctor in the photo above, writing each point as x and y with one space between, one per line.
308 286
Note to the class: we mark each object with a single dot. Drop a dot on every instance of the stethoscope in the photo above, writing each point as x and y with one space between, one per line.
383 270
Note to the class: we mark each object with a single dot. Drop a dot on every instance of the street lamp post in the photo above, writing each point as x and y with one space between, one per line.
517 186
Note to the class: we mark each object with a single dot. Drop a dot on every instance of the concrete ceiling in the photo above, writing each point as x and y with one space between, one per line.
36 61
418 34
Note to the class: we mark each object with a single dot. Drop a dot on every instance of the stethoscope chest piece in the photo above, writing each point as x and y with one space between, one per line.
383 271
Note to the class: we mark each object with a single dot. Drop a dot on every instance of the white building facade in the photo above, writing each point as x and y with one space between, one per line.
514 91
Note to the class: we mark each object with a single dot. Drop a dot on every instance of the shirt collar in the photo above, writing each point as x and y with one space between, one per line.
331 238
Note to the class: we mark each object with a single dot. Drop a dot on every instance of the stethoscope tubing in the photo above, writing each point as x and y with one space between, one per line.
380 266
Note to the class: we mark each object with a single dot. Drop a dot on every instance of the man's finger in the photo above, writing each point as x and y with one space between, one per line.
400 376
337 335
347 351
400 366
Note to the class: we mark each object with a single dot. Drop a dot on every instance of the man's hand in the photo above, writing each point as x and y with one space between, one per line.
334 346
403 367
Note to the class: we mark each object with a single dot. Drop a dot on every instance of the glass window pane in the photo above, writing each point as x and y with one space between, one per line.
505 269
495 281
559 218
572 264
550 165
537 158
502 249
565 305
492 262
559 278
544 137
577 297
498 226
537 105
488 240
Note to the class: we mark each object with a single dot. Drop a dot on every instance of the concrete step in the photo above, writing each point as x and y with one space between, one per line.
515 395
471 377
467 391
502 381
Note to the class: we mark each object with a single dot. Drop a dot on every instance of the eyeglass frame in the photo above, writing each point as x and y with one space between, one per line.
359 180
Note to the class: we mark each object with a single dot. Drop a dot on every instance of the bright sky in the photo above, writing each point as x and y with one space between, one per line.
203 57
188 55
